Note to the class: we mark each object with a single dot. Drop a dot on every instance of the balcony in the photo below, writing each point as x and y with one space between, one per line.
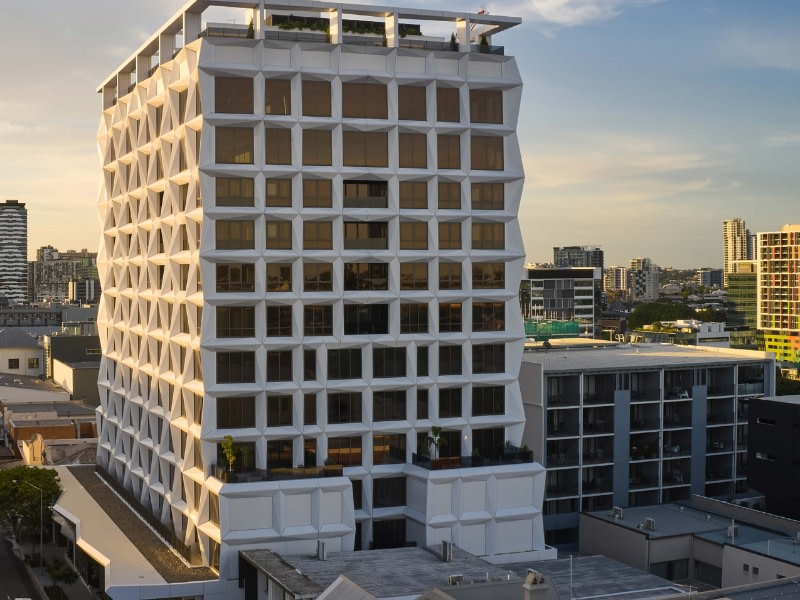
645 395
275 474
725 418
510 456
563 400
750 388
236 33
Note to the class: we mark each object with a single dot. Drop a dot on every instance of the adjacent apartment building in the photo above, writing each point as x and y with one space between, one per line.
310 244
632 425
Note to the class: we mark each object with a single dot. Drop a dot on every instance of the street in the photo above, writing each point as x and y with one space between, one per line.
14 581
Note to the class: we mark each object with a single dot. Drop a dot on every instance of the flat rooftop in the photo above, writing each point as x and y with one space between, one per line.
671 520
598 577
612 356
110 532
399 571
679 519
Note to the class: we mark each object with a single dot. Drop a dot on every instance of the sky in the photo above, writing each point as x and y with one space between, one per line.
644 124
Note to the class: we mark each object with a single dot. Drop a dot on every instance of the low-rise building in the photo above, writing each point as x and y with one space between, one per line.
705 541
20 353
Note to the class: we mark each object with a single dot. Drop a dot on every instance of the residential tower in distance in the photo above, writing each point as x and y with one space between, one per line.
14 251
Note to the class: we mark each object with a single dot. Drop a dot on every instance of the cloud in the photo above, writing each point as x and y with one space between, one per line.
604 158
787 138
755 49
571 13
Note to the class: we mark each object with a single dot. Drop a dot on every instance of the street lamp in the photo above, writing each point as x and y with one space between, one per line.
41 522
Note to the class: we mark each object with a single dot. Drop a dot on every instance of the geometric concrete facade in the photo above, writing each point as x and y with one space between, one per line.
311 244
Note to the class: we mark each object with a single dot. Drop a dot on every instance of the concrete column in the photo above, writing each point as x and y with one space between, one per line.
257 15
192 24
336 26
109 95
166 47
392 30
142 67
123 83
463 33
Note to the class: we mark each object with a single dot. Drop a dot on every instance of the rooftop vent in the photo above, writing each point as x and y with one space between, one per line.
455 579
447 551
322 550
617 512
650 524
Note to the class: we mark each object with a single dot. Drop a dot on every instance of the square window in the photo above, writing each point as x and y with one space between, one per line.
413 236
364 100
279 193
278 146
279 235
317 277
317 235
316 147
449 236
447 105
317 193
413 276
414 195
449 195
449 151
235 235
413 150
233 95
279 277
411 103
278 96
234 145
316 98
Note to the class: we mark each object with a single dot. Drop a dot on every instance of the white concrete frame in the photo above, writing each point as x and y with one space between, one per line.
152 334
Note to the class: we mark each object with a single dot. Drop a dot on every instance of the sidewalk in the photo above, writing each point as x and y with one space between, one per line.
52 553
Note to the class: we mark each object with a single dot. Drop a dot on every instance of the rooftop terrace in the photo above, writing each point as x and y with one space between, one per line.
187 25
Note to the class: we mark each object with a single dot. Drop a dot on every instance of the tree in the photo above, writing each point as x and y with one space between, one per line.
251 30
20 502
62 574
652 312
435 439
229 450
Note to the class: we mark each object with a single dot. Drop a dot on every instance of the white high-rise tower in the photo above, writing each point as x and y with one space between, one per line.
310 244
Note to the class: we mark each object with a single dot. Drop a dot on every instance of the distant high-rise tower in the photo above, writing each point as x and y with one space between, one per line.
13 250
578 256
735 244
778 307
643 279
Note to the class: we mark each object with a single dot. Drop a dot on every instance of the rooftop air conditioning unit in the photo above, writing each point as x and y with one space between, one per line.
617 512
733 531
650 524
455 579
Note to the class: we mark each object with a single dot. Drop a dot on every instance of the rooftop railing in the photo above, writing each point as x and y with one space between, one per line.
510 457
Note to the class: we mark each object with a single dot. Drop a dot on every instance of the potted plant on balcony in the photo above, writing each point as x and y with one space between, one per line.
434 439
453 42
229 450
483 47
331 468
